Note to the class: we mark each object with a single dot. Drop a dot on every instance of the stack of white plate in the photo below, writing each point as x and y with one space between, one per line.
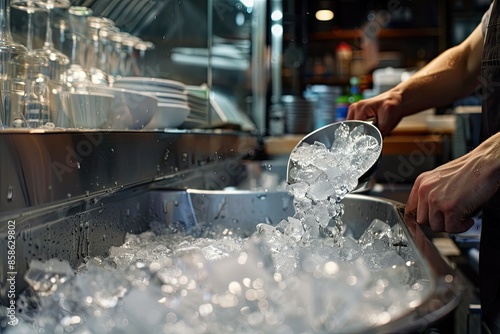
173 107
197 98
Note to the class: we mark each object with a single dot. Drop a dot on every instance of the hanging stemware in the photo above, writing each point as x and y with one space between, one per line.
140 68
58 62
106 48
28 93
93 64
77 76
8 50
128 62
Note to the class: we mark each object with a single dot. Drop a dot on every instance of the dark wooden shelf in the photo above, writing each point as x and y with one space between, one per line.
325 80
340 34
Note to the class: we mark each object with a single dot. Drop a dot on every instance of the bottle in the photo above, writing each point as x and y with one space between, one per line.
342 106
344 101
355 94
344 59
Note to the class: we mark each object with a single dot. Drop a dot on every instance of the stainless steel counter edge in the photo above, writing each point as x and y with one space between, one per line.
41 167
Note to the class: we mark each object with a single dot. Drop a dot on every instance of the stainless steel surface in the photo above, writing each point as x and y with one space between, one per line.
449 284
326 135
43 167
259 64
88 226
238 210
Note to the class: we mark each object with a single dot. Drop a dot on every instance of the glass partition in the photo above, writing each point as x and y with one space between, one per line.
223 45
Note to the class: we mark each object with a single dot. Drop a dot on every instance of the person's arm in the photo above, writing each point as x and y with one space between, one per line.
445 197
452 75
449 77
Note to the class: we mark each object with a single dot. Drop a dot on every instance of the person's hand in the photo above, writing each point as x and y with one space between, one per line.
385 108
444 198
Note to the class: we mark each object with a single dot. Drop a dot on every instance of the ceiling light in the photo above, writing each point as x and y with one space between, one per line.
324 15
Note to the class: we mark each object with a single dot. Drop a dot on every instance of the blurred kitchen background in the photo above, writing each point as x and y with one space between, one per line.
277 66
282 68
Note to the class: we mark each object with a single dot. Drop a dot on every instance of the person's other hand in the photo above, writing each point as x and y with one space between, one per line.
385 108
444 198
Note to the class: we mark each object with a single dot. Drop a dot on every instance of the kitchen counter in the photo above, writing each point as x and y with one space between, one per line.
407 137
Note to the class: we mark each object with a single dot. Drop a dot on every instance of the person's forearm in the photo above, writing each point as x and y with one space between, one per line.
452 75
487 156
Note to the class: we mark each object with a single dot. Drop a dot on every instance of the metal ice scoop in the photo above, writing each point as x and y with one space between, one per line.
326 135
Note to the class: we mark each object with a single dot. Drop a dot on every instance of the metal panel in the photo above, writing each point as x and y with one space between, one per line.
43 167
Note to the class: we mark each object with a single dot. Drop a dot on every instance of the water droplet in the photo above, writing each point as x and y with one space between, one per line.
78 165
262 197
10 193
112 150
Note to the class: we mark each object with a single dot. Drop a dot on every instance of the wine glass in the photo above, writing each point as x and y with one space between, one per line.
142 47
93 65
77 76
106 48
114 52
58 62
8 50
127 62
28 94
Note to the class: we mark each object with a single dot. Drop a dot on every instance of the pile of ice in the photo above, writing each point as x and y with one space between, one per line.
289 278
323 176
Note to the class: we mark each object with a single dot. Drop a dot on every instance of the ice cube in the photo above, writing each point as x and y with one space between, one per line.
320 191
298 190
357 131
311 228
342 132
220 248
46 277
292 228
376 230
350 250
104 286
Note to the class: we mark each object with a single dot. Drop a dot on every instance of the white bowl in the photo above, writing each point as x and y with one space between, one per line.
90 110
168 116
131 109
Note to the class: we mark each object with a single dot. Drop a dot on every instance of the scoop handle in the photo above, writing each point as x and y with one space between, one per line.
371 120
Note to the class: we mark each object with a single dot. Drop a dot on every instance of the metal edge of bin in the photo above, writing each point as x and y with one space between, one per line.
79 230
449 285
